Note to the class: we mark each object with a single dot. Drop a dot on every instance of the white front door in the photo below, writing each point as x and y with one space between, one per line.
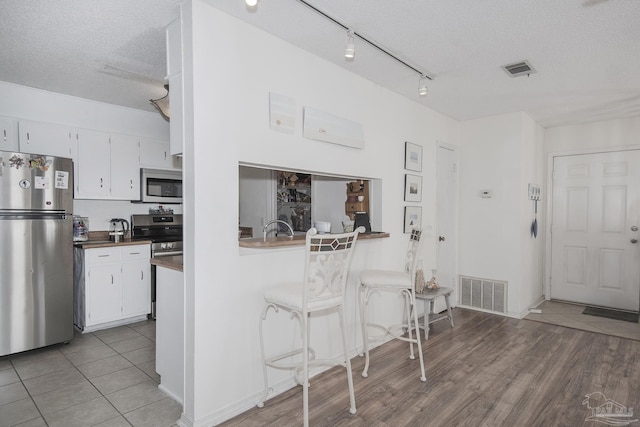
595 257
446 208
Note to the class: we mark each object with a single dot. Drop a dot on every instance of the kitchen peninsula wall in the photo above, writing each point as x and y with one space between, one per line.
24 103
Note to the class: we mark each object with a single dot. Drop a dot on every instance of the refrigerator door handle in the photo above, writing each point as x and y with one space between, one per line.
32 215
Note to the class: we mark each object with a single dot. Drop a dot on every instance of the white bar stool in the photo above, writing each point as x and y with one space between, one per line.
327 261
403 282
429 297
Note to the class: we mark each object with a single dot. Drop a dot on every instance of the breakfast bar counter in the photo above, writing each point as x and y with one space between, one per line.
297 240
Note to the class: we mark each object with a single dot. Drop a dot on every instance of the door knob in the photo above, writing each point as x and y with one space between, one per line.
440 238
634 241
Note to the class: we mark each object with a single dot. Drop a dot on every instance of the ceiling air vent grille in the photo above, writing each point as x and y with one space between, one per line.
522 68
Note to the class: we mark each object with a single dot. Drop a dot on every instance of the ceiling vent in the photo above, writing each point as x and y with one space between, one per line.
521 68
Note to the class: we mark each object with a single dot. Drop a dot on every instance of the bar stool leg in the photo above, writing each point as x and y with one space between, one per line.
446 299
343 327
418 339
364 300
408 307
305 370
263 316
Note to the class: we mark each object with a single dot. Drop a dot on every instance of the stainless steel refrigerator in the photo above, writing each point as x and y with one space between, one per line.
36 251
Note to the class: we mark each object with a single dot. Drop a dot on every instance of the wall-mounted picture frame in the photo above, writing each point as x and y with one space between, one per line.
412 157
412 218
412 188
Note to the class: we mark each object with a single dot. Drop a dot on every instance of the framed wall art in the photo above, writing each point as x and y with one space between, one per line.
412 188
412 218
412 157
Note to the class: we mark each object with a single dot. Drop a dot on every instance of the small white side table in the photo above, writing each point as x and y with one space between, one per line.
429 297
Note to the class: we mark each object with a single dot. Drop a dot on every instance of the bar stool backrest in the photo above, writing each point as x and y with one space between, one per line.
328 257
411 262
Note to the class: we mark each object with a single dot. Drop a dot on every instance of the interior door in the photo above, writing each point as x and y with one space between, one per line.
595 258
446 193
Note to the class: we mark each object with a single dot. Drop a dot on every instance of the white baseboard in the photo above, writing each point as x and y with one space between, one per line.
113 324
249 402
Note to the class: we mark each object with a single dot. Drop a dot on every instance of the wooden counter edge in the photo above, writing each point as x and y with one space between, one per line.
88 244
169 262
281 242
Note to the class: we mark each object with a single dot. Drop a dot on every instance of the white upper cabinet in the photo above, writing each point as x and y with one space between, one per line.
176 124
93 175
8 134
154 153
174 47
176 85
107 166
47 139
125 167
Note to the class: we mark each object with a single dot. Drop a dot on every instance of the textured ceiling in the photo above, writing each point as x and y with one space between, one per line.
586 52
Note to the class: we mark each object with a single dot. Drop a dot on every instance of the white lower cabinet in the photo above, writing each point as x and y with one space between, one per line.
136 274
111 286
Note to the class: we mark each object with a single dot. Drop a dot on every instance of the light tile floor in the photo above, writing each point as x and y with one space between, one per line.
570 315
106 378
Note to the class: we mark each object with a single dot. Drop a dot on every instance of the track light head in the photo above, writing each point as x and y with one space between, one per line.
350 49
251 3
422 86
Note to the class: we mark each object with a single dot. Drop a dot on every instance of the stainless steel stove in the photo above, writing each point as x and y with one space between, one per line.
165 233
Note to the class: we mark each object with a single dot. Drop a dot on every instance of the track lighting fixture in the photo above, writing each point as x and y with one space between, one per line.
350 49
422 85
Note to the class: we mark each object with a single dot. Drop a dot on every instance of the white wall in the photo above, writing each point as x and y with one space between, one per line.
257 189
329 198
532 262
228 125
609 134
21 102
501 154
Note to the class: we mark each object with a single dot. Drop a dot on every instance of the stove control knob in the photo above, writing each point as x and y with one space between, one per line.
163 246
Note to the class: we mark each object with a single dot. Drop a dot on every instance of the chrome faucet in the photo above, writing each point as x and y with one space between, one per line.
275 221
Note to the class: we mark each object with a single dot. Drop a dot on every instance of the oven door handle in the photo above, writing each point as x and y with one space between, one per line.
168 253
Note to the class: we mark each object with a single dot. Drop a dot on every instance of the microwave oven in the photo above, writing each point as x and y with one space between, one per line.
160 186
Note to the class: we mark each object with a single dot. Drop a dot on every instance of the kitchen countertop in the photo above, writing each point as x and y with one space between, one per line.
171 262
297 240
94 243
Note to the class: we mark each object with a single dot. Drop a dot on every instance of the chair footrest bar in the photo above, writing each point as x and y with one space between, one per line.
273 361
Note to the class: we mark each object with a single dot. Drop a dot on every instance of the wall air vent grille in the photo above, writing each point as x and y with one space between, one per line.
484 294
522 68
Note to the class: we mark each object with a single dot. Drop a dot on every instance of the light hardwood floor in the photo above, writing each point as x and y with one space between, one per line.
487 371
